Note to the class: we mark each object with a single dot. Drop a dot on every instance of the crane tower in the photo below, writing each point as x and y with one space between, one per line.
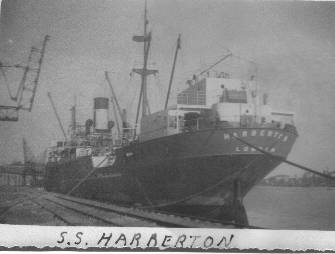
25 94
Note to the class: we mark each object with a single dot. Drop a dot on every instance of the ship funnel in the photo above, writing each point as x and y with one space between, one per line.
101 108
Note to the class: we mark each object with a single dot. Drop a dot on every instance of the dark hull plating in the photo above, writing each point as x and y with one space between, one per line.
195 169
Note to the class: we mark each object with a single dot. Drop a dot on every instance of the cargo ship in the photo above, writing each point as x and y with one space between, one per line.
188 158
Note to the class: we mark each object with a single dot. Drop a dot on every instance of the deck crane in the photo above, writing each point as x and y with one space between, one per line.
57 116
26 91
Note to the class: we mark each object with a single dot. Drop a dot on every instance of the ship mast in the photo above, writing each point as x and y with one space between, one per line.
144 72
146 47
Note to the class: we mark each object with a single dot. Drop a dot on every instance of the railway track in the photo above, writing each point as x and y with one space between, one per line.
77 211
58 209
5 208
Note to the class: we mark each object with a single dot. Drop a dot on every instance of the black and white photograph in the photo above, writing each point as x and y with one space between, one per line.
173 123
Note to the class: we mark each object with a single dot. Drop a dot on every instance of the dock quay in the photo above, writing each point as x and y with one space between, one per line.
26 205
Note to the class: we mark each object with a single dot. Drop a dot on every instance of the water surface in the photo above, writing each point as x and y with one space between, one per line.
291 207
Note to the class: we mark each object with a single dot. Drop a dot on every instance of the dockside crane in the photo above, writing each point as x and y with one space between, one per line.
26 91
57 116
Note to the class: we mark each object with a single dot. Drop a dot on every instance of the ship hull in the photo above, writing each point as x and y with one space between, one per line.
200 172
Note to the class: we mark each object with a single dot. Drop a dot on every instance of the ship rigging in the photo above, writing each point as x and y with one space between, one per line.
144 72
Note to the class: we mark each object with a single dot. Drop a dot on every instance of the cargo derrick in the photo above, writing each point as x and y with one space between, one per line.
57 116
116 105
172 73
125 132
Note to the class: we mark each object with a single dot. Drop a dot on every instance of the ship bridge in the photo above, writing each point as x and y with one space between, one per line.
213 101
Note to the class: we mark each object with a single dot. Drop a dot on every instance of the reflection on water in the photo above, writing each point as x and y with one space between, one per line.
291 207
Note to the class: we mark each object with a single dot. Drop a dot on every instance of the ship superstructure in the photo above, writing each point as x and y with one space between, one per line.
215 101
93 139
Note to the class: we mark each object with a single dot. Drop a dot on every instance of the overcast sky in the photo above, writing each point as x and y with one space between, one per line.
291 42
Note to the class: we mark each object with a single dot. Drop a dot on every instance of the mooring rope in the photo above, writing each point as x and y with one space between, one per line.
276 157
